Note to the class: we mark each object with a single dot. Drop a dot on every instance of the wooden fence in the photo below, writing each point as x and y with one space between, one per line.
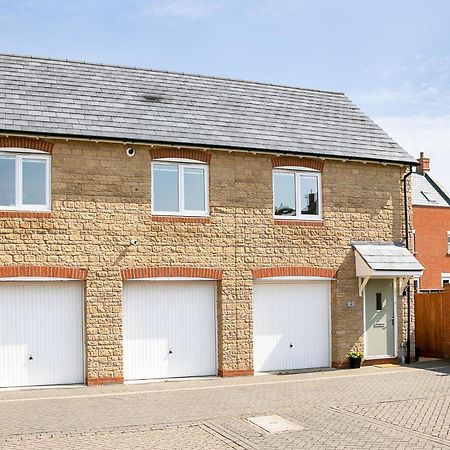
432 313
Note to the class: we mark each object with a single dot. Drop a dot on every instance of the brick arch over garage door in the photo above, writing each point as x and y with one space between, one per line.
74 273
294 271
171 272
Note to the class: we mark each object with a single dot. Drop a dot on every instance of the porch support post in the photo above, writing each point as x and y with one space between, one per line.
362 284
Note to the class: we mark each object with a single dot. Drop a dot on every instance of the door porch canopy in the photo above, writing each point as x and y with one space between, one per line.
384 260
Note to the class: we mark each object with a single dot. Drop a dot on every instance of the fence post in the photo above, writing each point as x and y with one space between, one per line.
446 321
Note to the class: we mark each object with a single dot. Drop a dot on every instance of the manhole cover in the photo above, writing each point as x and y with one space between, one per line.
274 424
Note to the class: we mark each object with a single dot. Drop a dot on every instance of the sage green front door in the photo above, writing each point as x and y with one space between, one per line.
379 318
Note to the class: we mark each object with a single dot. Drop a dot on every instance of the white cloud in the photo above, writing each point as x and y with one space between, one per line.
430 135
190 9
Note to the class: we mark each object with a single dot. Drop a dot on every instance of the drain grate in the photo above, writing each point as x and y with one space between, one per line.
274 424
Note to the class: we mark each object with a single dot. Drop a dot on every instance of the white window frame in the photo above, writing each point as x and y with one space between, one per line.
298 173
19 155
182 165
448 242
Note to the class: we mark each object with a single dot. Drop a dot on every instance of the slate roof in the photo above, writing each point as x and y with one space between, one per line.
58 97
426 191
387 256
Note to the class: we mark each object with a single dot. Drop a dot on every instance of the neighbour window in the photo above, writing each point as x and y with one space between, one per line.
430 196
179 188
416 284
296 194
445 279
448 242
24 181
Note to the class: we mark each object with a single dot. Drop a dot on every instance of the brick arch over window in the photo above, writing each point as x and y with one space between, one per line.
309 163
187 153
24 142
74 273
268 272
171 272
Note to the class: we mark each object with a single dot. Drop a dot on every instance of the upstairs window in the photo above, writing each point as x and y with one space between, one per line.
297 194
179 188
448 242
24 181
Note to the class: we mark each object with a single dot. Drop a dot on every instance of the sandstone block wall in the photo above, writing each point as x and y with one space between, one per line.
101 200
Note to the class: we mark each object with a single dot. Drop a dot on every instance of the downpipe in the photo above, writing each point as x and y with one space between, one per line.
408 287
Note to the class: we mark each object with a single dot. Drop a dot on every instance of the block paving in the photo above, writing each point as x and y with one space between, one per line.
370 408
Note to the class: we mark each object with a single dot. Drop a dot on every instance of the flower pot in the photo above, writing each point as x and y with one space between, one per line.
355 363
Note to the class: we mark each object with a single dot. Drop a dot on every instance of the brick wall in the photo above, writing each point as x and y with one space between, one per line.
101 200
431 225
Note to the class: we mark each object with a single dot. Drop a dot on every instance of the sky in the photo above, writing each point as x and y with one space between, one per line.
392 58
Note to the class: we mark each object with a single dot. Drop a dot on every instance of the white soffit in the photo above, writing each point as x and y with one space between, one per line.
385 259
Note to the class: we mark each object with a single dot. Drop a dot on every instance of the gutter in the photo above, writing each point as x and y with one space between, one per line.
408 287
112 140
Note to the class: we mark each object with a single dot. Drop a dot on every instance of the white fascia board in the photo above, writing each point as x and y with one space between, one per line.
395 273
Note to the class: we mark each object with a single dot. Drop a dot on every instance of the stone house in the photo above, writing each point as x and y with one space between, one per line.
431 217
157 225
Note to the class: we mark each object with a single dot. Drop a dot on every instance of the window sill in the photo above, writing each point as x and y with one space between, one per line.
181 219
299 223
27 214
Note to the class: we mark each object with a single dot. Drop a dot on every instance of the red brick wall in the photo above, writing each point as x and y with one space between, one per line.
431 225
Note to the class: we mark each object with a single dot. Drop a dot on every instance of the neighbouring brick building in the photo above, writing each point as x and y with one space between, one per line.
160 225
431 213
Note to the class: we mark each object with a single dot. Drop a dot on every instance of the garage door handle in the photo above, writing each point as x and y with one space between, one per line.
170 352
291 345
30 358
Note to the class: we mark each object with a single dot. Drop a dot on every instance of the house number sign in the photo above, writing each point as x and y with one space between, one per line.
351 303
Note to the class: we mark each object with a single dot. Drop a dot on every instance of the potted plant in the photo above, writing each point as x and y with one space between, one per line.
355 359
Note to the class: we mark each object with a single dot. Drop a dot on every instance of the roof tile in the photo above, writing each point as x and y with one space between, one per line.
92 100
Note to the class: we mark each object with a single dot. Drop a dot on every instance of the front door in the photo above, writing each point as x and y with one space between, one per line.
379 318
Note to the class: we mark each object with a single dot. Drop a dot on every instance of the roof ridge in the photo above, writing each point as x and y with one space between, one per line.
194 75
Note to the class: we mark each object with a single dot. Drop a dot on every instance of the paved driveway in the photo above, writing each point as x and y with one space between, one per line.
376 408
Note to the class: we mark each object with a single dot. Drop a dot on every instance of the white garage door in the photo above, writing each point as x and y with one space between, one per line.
169 329
291 325
41 333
